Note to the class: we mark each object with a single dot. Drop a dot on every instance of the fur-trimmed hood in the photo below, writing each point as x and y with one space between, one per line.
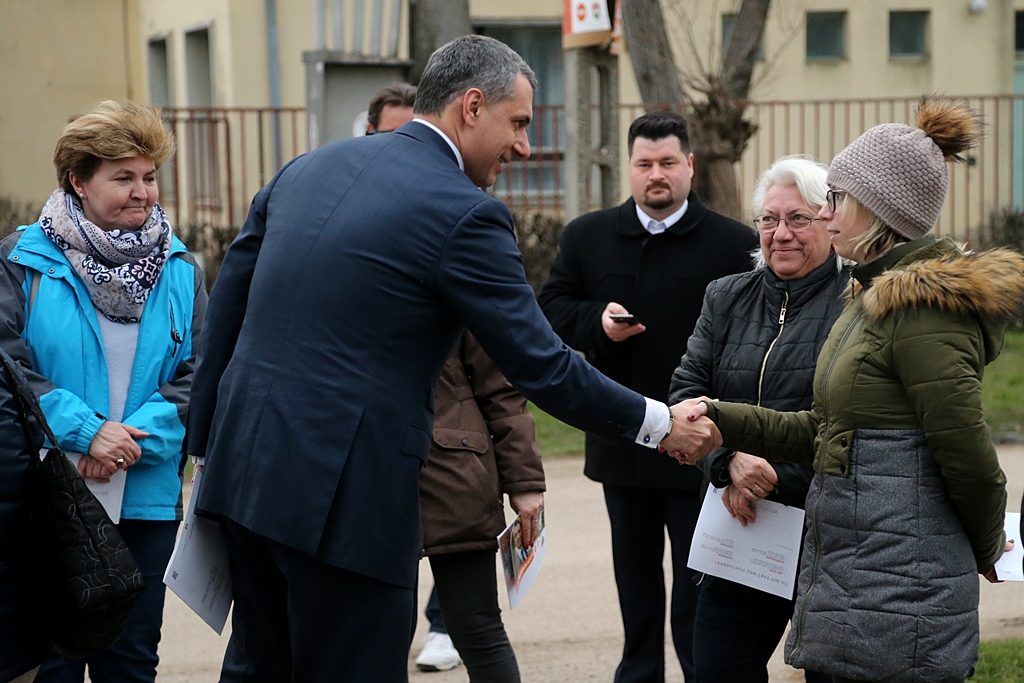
987 283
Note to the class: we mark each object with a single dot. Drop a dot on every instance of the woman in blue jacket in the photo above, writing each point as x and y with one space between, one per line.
102 306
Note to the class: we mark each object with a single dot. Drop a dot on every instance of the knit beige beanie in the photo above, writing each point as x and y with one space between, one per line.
899 173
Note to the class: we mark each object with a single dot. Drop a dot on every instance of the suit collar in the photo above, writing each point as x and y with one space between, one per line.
629 224
429 136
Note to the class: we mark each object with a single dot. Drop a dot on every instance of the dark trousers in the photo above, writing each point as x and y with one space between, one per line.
467 588
133 658
433 613
296 618
639 517
737 630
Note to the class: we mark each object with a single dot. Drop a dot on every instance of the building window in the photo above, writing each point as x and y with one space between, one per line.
907 34
826 35
728 26
1018 39
159 73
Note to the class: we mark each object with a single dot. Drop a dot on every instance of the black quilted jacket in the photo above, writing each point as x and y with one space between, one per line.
741 324
21 646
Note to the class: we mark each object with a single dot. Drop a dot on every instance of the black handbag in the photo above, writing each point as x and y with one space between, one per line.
88 579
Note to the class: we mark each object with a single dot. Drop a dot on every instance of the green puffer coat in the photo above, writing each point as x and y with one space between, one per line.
908 497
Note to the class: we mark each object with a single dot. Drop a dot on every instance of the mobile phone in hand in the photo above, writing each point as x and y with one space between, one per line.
627 318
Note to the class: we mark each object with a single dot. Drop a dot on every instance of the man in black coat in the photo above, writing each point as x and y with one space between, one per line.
650 258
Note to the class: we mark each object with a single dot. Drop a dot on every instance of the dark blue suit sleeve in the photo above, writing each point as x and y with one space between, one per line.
481 276
225 313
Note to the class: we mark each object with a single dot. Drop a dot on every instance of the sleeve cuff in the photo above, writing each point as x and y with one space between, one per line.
656 424
87 432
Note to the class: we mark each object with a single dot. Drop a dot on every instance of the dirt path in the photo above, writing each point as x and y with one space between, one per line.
567 629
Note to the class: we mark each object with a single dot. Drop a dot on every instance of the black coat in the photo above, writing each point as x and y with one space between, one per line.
22 647
608 256
739 327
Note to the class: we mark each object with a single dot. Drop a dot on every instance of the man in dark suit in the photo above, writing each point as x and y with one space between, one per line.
651 257
330 321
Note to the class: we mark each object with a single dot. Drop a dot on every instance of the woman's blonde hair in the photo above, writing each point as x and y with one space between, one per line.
879 238
111 131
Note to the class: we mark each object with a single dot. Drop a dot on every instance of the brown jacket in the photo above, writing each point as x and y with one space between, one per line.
484 445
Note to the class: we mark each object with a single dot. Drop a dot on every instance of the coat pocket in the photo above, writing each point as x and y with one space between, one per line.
461 439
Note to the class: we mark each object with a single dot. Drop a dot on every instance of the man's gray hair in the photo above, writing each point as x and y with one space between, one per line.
470 62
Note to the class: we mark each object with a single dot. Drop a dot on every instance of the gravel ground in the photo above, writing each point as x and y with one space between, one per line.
568 627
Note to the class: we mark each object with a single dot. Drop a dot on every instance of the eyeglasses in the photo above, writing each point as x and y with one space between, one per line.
795 221
833 196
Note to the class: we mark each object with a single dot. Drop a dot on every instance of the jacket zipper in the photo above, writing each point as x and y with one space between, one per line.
799 622
764 363
175 335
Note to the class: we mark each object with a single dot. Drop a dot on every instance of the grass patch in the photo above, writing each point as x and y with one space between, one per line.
1003 387
554 437
1000 661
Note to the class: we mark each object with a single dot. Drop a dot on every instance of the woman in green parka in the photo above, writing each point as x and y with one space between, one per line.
907 503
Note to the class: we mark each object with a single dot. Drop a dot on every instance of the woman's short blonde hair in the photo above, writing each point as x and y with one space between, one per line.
879 238
111 131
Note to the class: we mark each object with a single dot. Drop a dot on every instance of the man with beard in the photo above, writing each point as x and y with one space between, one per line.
626 289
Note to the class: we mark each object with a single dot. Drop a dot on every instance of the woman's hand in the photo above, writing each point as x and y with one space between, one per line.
752 475
738 505
990 575
114 445
528 504
95 470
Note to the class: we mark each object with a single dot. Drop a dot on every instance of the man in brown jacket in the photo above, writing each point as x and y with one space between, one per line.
484 446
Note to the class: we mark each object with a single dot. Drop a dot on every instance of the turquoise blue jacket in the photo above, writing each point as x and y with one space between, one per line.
57 339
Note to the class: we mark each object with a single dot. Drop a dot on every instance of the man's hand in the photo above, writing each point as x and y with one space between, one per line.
618 331
693 435
528 504
990 575
114 445
753 476
738 505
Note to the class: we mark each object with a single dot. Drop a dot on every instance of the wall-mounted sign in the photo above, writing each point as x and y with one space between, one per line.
585 23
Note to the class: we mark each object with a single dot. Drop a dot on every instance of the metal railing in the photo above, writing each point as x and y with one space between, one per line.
226 155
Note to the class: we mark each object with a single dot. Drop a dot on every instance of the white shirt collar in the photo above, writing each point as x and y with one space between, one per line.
458 154
671 220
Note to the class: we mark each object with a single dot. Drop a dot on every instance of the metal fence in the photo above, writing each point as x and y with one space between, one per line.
226 155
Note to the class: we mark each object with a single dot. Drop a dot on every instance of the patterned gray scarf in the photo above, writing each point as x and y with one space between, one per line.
119 267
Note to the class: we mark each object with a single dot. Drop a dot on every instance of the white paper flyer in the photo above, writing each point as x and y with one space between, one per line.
198 570
1009 568
521 564
763 555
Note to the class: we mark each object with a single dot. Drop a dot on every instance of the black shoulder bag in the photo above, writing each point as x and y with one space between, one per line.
87 578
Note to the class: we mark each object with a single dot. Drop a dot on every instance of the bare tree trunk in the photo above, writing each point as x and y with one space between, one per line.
656 71
738 64
720 131
432 24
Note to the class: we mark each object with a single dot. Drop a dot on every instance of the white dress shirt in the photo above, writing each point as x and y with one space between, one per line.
657 227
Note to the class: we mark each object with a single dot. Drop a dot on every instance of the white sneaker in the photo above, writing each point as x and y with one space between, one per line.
438 653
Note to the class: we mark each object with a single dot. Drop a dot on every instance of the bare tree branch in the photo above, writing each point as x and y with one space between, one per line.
649 49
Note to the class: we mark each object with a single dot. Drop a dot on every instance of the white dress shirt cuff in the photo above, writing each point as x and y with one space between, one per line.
656 424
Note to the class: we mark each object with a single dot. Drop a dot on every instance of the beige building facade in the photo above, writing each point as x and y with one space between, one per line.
57 59
831 68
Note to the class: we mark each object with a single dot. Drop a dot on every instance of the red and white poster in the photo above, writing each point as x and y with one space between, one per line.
585 23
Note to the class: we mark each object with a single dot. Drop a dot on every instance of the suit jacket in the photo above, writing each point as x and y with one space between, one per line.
332 316
607 256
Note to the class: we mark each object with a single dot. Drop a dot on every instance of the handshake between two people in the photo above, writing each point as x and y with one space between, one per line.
692 435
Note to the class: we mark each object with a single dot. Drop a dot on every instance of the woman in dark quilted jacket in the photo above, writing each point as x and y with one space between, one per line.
757 341
907 502
22 645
